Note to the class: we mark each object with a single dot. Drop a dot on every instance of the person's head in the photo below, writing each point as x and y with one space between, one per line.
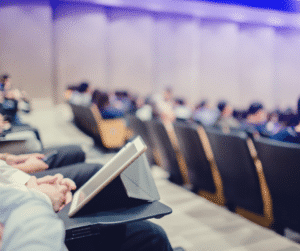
83 87
96 95
168 94
202 104
225 109
103 100
5 80
179 102
256 113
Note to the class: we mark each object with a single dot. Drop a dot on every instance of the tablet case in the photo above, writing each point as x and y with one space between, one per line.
132 196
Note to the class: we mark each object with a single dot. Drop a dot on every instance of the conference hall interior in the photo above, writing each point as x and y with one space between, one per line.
208 93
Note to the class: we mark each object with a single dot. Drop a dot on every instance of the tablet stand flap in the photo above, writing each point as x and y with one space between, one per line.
138 181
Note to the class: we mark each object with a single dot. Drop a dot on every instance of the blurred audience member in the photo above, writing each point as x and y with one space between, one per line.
291 133
226 120
145 109
81 96
181 110
12 101
256 120
163 105
106 109
273 126
10 107
5 82
204 115
69 91
122 101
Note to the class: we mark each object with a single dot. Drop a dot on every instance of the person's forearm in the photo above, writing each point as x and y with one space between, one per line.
27 168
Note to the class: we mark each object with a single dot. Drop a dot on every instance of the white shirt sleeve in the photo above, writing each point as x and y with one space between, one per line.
30 222
13 175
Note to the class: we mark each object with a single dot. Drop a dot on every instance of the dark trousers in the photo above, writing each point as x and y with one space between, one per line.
66 155
135 236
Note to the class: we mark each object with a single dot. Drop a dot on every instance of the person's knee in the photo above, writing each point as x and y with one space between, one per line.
159 238
148 236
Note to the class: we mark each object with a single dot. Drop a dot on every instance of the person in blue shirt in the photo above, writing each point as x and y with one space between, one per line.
101 99
291 133
256 121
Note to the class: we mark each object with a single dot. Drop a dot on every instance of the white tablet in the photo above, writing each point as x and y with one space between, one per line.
129 153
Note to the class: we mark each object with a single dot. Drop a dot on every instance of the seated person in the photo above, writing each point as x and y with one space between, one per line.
82 95
291 133
255 124
4 82
163 106
204 115
181 110
12 101
56 191
101 99
145 110
273 126
121 100
226 120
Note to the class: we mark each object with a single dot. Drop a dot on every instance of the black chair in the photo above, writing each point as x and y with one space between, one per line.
107 133
244 187
139 128
202 171
281 165
171 159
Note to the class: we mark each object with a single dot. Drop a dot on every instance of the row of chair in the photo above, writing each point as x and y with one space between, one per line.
256 179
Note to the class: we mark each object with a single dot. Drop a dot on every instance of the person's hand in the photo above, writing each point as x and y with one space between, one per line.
57 193
60 180
18 159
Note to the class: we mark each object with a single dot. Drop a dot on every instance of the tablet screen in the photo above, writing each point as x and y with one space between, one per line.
109 172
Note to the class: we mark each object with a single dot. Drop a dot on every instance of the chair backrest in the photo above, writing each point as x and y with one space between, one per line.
281 165
112 132
199 168
84 119
237 169
166 150
109 133
139 128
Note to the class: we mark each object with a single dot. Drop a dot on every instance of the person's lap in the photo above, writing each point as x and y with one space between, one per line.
66 155
137 236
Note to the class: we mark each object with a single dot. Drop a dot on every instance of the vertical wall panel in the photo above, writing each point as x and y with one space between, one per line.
287 68
256 62
81 34
25 47
164 57
130 51
187 54
218 66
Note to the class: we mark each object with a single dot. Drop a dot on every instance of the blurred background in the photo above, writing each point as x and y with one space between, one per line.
241 51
